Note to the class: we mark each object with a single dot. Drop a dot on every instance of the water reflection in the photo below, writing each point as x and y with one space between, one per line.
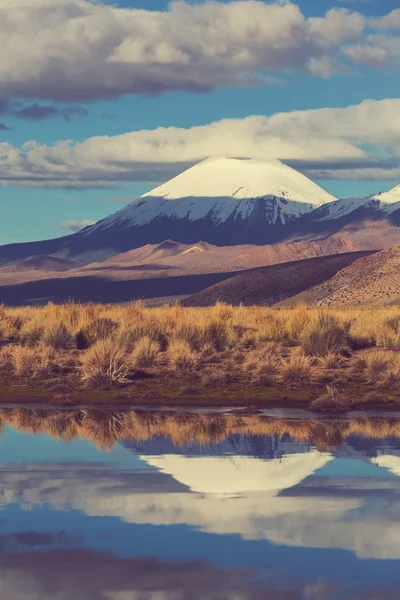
164 506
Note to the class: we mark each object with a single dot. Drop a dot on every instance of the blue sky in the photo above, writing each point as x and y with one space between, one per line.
352 57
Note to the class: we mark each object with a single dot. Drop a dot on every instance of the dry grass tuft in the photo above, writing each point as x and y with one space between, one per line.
326 336
6 362
378 365
145 353
375 399
262 364
332 360
33 363
104 364
98 329
181 357
297 370
331 402
58 337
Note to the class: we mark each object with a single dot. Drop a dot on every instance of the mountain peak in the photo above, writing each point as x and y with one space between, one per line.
389 197
242 178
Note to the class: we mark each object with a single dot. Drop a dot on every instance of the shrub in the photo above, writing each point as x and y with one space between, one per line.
32 333
192 333
332 360
222 311
375 399
216 333
8 331
262 364
104 363
326 336
6 361
331 402
34 363
145 353
297 370
377 366
99 329
181 357
387 337
58 336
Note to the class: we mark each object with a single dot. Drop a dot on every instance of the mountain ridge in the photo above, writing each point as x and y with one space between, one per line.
249 202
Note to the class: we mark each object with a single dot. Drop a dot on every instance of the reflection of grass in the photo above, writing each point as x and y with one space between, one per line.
104 429
252 351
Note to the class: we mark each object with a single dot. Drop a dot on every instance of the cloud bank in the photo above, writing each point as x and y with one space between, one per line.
356 142
76 50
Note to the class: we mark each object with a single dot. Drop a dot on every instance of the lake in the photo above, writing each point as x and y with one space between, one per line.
135 505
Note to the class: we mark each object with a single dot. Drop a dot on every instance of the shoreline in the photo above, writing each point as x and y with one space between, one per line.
178 396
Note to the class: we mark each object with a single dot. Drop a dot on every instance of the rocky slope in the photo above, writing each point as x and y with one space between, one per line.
372 280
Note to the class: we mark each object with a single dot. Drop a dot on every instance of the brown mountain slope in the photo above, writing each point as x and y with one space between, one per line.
269 285
258 256
372 280
203 257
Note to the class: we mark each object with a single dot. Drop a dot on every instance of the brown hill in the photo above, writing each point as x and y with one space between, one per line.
372 280
162 272
42 263
270 285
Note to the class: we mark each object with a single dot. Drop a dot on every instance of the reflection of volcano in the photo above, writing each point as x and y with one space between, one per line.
234 475
299 501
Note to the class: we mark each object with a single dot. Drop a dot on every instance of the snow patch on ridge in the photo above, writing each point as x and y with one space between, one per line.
386 202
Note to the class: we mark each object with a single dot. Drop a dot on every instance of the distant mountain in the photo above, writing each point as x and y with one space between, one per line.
220 201
227 202
371 222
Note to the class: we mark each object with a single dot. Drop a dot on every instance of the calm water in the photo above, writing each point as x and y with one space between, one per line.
129 508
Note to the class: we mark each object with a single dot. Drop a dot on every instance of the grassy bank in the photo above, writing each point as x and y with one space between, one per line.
330 359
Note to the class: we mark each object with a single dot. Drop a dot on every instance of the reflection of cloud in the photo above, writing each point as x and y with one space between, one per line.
37 539
90 575
326 515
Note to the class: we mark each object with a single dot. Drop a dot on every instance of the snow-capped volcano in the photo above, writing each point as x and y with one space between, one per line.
221 201
222 190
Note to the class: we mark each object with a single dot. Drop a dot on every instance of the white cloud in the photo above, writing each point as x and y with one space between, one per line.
376 51
75 226
389 21
357 141
76 50
326 67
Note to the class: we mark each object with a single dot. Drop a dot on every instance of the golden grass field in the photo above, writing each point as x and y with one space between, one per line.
224 354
